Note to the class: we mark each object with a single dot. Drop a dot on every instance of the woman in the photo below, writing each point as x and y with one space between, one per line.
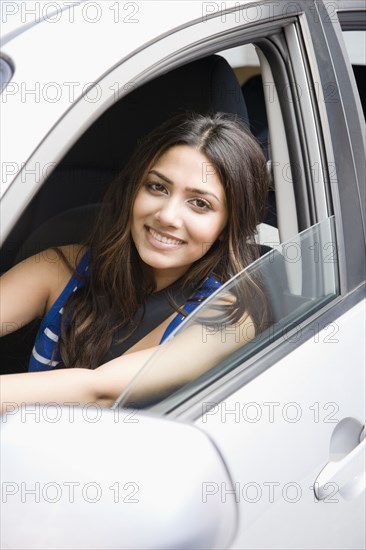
180 216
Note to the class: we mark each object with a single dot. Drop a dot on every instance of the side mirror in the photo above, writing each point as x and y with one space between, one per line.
93 478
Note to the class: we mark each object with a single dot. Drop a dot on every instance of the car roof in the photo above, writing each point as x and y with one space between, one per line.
17 17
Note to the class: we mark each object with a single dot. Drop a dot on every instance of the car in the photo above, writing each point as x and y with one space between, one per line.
266 448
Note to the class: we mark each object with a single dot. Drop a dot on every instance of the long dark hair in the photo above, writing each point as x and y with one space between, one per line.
119 282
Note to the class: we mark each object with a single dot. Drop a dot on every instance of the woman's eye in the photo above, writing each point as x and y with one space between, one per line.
201 204
154 186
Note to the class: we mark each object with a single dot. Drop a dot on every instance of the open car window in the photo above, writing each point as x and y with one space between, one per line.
283 287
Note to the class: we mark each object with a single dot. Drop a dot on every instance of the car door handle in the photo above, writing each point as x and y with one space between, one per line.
347 475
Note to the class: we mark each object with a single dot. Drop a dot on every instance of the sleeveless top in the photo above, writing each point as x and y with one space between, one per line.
48 334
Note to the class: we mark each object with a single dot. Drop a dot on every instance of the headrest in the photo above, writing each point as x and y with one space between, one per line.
208 84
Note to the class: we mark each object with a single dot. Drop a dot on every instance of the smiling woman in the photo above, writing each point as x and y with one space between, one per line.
176 223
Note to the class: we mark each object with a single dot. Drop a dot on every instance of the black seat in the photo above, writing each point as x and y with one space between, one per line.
69 227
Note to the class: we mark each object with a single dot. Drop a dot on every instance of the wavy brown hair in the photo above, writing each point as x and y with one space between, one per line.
119 282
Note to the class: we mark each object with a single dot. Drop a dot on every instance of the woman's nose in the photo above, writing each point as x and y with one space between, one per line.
170 213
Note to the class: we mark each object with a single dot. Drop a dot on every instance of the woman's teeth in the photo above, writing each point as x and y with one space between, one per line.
163 239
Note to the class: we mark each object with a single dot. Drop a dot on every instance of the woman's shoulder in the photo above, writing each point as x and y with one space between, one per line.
70 255
63 261
60 262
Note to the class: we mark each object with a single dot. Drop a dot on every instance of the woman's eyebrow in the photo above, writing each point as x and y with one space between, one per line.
190 189
161 176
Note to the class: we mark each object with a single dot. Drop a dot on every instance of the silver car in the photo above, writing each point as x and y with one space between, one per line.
266 449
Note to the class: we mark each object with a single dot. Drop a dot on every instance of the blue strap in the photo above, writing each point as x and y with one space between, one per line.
207 288
50 328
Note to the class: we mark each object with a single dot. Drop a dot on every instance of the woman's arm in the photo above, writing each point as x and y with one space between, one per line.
192 352
24 291
28 288
181 360
81 386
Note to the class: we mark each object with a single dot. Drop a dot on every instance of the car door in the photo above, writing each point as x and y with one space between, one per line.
288 411
295 442
292 436
285 410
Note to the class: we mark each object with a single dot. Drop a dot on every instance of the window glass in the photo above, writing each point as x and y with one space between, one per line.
280 289
355 42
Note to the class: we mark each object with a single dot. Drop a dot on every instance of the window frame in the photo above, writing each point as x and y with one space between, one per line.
351 275
339 116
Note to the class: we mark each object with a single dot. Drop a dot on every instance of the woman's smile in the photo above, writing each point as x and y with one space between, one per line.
163 241
179 212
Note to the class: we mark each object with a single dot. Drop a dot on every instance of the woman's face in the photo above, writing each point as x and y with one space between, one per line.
179 212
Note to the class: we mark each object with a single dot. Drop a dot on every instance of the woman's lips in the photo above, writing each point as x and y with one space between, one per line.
159 240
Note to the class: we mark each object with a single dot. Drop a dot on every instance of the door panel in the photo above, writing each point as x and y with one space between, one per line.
275 435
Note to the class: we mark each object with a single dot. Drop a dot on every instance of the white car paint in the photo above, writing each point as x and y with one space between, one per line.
275 435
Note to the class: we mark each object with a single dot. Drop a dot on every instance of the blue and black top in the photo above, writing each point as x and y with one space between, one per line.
158 304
